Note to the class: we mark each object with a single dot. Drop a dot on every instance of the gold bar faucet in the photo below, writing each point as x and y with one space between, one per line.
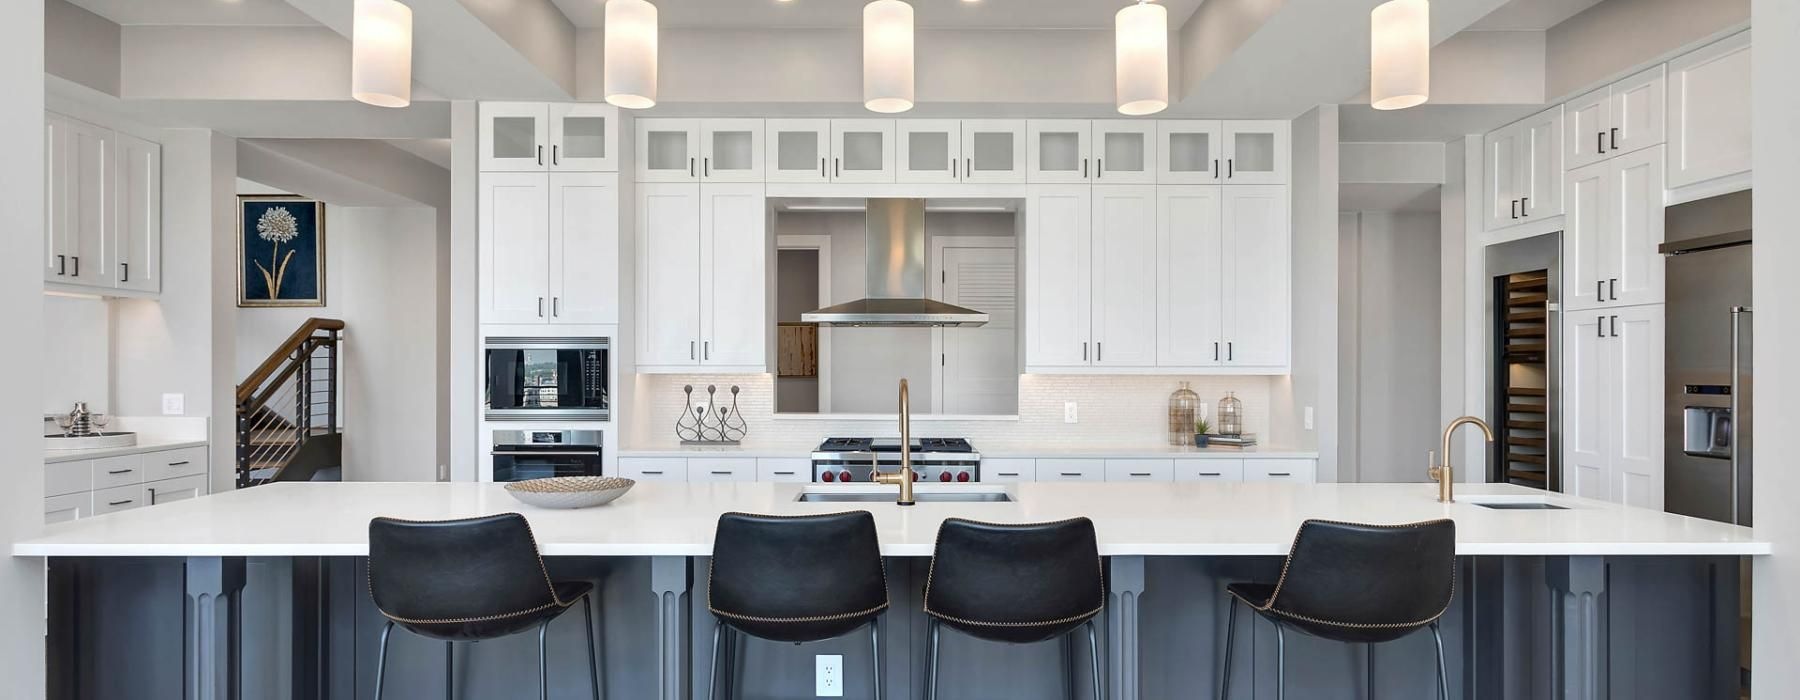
904 477
1442 472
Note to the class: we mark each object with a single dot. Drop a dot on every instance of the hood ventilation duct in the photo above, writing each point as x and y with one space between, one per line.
895 250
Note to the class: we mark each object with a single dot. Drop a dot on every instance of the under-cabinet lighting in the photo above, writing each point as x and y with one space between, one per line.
631 53
381 41
1141 60
888 56
1400 54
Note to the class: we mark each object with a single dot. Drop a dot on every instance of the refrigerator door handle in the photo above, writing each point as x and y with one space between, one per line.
1737 325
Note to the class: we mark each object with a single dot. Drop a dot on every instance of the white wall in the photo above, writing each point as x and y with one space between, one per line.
77 362
1617 35
1314 382
1776 99
1393 324
81 46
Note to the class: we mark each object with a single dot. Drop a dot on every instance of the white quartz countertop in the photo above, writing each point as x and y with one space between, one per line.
145 443
987 452
664 519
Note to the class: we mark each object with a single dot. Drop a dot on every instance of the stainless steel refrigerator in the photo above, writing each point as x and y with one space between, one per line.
1709 383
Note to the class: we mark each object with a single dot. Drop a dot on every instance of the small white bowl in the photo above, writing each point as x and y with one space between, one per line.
570 491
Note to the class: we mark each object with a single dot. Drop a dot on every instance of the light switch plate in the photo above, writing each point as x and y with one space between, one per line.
1069 414
830 672
174 404
1309 418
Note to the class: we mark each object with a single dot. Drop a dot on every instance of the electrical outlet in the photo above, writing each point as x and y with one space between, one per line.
174 404
1069 414
830 671
1309 418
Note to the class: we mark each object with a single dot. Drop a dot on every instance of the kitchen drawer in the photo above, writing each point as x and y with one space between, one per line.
120 498
68 477
1071 470
1209 470
783 469
177 489
1298 470
1004 471
70 506
653 468
701 469
118 471
1140 470
170 464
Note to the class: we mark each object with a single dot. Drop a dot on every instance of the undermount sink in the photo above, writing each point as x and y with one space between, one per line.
960 495
1512 502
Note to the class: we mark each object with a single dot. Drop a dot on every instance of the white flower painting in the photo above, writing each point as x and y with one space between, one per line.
277 226
281 251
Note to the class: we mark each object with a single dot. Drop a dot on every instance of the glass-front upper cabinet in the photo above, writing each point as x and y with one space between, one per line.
993 150
515 136
584 137
1058 150
1256 152
1190 151
1125 151
668 150
930 150
862 150
731 150
797 150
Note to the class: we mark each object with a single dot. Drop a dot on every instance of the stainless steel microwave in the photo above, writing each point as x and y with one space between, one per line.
548 379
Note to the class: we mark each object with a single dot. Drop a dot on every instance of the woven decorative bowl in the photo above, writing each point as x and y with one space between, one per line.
570 491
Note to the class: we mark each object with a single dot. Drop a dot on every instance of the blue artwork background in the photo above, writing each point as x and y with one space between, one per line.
302 280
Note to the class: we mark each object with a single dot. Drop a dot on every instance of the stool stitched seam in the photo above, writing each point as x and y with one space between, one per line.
797 620
931 571
1268 606
555 600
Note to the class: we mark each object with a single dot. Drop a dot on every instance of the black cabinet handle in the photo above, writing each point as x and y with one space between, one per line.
1215 352
1615 327
1070 474
1600 142
555 155
1099 168
1600 290
556 306
968 167
837 165
1600 327
1099 351
1084 168
1615 138
821 168
124 272
1230 167
540 307
1612 288
1524 206
540 154
1215 168
1140 474
706 166
1084 355
1229 352
1211 474
76 259
691 354
62 264
690 167
120 503
717 472
177 464
648 472
116 472
1281 474
706 350
1514 209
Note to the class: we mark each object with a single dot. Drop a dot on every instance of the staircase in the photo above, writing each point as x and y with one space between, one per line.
287 409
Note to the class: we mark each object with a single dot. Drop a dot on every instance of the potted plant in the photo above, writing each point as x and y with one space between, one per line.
1201 428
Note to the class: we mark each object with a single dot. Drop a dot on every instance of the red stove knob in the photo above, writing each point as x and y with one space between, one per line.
945 476
828 476
962 476
918 477
845 477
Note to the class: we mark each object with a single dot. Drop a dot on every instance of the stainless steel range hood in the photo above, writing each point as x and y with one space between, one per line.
896 276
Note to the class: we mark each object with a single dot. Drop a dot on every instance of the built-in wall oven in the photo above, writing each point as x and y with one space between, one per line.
548 379
538 454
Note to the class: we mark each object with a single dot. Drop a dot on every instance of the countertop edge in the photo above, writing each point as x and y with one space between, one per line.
146 446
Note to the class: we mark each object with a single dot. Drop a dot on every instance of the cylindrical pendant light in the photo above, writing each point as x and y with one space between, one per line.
1400 54
888 56
381 53
1141 62
631 53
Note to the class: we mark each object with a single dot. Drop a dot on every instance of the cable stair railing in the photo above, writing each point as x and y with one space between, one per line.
287 409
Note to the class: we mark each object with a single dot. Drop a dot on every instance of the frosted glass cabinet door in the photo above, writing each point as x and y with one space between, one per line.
930 150
1058 150
1124 152
731 150
862 150
668 150
799 150
1256 152
993 150
515 136
584 137
1189 153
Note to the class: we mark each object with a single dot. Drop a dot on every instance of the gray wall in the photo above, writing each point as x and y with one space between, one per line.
1314 382
1618 34
1390 288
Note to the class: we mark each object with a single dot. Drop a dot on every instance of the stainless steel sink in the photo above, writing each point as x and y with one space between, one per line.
823 496
1522 505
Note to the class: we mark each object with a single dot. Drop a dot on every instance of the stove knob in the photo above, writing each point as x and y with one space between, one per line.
944 476
845 477
918 477
962 476
828 477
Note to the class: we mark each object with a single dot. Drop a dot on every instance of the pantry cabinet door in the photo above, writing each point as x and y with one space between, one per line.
1586 121
668 276
1190 280
1636 334
1257 258
135 249
1124 268
733 276
584 236
1587 264
1709 112
1636 211
1587 404
1058 275
1638 112
515 248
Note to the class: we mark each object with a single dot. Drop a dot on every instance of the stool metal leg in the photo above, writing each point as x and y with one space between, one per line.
587 614
381 659
449 670
1068 659
1280 664
1094 661
1443 677
875 653
1230 636
543 663
712 688
931 664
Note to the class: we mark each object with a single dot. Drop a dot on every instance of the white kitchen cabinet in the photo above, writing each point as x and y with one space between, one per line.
549 248
172 490
134 250
118 498
929 150
663 469
993 150
64 508
584 137
1257 152
700 150
1059 275
1620 118
540 136
1709 112
1190 279
668 275
1296 470
1189 152
701 277
1008 470
668 150
1125 151
1256 294
799 150
1066 469
1612 418
81 212
1058 150
62 478
85 488
717 469
731 150
1224 470
1123 265
862 150
173 464
1522 173
1612 230
1500 169
784 469
110 472
1140 470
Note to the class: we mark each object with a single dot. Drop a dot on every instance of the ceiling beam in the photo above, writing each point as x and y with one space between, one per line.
345 172
479 49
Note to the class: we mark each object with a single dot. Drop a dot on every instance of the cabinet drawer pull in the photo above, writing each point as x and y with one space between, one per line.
1514 209
540 307
1230 353
1615 138
177 464
1615 326
649 472
556 154
124 272
726 472
119 471
1281 474
821 168
1612 288
706 166
540 154
556 306
1600 327
789 473
1600 142
62 265
120 503
76 259
1212 474
1007 473
1215 168
1084 168
1230 167
1524 206
1071 474
837 167
1599 290
1215 352
1140 474
1099 168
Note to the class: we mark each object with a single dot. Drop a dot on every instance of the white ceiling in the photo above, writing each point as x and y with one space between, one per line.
1410 198
1427 122
267 13
435 150
1531 15
992 14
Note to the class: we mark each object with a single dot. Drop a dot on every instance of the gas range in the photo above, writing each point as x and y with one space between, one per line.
840 460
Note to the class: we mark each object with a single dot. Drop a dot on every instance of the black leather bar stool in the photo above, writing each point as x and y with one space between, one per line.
794 579
468 581
1355 583
1017 584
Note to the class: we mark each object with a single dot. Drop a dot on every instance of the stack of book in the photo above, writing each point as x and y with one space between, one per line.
1240 440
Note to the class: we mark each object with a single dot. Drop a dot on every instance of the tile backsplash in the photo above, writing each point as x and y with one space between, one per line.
1113 411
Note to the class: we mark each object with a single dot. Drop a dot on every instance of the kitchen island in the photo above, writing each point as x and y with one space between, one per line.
1571 601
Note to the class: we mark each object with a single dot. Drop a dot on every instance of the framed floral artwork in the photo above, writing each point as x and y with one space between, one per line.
281 251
